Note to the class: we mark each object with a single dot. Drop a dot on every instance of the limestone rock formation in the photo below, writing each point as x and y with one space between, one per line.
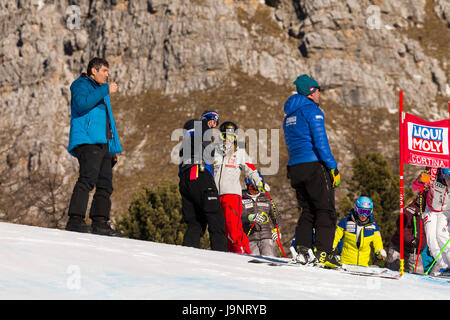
361 53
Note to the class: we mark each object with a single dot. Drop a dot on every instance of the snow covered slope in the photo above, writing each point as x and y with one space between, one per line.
39 263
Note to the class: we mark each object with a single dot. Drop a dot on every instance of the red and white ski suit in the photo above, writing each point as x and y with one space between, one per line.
228 166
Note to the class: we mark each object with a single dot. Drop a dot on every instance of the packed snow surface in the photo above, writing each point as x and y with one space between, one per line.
40 263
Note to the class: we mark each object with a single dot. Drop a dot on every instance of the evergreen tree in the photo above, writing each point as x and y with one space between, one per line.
155 215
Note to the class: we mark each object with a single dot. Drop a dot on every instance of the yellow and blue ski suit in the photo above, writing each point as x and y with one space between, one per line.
357 241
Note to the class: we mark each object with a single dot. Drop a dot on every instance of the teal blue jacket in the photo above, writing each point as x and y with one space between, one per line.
90 109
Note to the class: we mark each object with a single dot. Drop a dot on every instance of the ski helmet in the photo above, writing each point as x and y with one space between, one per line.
228 128
210 115
363 207
250 184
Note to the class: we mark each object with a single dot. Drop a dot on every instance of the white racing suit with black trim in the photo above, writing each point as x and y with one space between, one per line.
228 166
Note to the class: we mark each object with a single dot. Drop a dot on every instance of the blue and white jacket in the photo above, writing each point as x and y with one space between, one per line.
89 106
304 132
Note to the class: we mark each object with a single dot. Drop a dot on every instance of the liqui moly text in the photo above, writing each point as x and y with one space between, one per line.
428 139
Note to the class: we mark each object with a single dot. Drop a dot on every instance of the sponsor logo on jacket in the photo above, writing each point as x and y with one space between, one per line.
291 121
350 226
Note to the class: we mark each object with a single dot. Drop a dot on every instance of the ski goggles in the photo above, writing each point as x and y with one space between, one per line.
363 212
228 136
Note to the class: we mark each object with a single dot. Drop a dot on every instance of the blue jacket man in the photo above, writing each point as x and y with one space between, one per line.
305 134
94 141
90 111
313 173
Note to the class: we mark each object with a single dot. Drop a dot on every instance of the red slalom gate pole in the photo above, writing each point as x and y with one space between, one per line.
402 245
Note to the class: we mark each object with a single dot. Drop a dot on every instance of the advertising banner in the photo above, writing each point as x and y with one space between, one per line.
425 143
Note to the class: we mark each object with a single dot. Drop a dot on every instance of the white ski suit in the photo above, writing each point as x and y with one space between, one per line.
435 217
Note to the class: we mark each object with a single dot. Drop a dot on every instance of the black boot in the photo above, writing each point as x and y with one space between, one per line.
77 224
102 227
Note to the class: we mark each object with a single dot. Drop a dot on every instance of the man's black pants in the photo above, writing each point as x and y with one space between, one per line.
200 209
95 171
315 195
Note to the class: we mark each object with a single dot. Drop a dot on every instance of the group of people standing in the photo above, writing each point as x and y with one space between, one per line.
209 187
211 191
243 220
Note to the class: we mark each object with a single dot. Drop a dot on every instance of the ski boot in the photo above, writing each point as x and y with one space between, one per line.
304 256
326 260
444 272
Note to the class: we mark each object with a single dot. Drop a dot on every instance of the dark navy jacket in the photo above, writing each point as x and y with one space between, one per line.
190 155
304 132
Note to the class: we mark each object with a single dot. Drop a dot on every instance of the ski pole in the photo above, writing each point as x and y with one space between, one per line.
280 245
291 248
415 237
437 257
248 234
278 241
275 214
279 248
420 244
421 223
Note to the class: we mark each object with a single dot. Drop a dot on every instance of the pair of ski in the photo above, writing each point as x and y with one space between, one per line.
346 269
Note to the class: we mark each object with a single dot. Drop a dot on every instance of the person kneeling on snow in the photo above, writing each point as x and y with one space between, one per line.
259 220
229 161
359 232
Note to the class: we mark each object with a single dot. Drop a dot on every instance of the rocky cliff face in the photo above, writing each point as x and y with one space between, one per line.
173 59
